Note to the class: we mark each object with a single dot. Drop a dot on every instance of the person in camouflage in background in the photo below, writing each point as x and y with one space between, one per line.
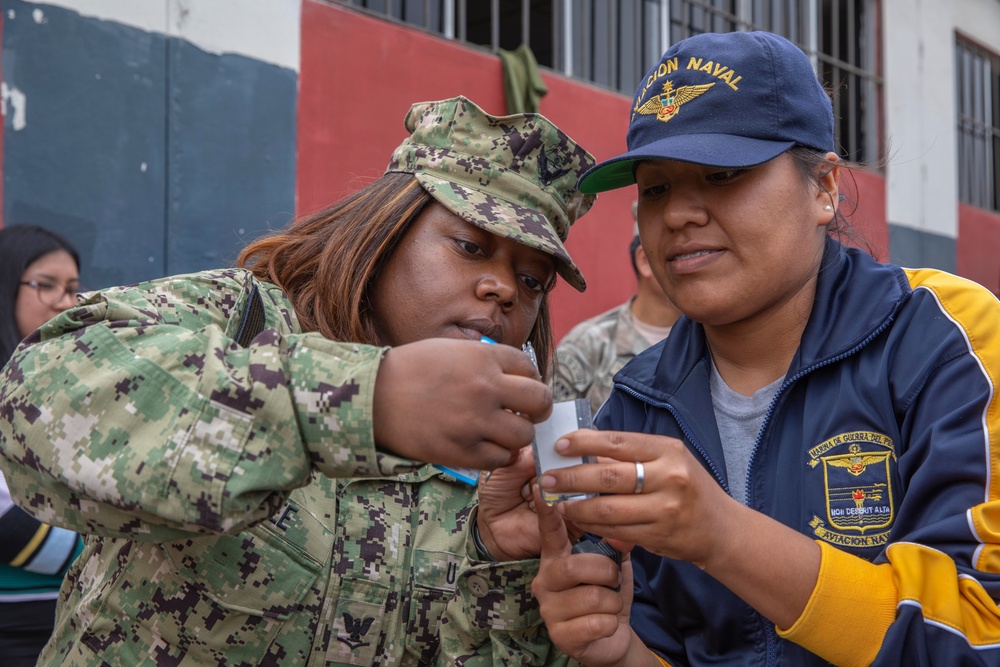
247 450
588 357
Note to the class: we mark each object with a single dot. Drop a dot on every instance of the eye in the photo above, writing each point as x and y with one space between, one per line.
532 283
719 177
470 247
653 191
46 286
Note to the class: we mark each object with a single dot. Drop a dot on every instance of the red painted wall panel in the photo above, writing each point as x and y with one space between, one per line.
978 247
865 191
359 76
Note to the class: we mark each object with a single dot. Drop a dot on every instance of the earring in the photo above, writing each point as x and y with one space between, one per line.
828 208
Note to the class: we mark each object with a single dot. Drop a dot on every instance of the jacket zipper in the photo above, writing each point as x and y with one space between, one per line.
684 429
771 636
769 632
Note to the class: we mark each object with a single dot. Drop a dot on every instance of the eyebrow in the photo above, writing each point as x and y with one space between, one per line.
53 279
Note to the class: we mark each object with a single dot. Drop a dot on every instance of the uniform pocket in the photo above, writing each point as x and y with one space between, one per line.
256 572
207 600
435 574
379 624
357 626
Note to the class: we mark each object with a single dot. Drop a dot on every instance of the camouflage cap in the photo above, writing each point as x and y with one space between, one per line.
514 176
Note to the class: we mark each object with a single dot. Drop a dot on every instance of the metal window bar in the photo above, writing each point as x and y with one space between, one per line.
978 108
615 42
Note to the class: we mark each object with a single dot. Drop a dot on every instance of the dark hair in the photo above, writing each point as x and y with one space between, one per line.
328 262
20 246
812 165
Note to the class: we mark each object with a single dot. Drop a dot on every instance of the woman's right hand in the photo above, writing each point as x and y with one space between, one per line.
458 403
585 617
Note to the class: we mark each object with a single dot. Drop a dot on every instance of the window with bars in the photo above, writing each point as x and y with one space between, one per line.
614 43
978 105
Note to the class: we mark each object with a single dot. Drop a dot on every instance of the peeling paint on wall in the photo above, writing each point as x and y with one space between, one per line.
265 30
14 105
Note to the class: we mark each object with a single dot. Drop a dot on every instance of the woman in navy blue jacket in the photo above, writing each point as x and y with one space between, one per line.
809 464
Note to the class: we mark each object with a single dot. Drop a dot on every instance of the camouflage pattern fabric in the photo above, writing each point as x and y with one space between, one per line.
588 357
514 176
235 509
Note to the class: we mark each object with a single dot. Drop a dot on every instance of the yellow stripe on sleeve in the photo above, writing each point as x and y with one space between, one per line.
976 311
32 546
985 520
927 577
662 661
850 610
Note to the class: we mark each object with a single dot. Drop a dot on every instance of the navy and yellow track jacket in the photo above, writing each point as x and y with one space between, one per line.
882 444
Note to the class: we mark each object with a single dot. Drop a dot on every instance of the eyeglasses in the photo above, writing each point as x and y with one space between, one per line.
52 293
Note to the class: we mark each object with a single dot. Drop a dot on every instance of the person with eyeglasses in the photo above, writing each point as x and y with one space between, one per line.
39 278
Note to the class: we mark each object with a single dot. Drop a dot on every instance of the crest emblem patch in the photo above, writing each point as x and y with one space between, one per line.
858 489
858 493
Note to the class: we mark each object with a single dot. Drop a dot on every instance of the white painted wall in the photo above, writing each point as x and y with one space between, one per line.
921 118
921 121
979 20
266 30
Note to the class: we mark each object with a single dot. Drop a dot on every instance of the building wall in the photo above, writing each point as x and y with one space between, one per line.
978 246
160 137
155 136
359 77
927 226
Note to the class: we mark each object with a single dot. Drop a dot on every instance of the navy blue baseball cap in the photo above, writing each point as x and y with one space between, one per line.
735 99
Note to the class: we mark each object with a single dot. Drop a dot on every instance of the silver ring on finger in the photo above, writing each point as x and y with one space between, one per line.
640 477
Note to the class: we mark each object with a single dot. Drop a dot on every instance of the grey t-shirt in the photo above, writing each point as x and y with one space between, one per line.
739 419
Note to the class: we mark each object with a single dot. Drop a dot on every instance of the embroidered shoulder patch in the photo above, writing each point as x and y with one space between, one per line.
857 481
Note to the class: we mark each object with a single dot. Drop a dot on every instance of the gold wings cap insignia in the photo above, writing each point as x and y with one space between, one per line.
666 104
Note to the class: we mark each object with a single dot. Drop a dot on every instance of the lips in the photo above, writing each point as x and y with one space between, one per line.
689 251
691 259
689 255
478 328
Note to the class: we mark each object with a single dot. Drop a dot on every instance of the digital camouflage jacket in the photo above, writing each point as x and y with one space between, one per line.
235 508
588 357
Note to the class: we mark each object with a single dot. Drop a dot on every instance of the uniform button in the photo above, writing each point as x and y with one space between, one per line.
478 586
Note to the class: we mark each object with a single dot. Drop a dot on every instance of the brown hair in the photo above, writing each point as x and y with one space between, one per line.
327 262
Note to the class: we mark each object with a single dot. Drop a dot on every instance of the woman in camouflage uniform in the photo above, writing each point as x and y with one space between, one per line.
255 492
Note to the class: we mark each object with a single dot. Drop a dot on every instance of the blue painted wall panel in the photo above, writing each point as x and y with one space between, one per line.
153 156
231 151
916 248
89 161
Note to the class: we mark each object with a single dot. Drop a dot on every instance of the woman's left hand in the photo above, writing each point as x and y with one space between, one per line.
680 511
507 521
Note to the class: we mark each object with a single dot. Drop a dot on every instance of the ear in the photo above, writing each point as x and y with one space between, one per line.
828 190
642 263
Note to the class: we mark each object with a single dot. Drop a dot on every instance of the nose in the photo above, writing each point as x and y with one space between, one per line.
67 300
498 283
684 206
